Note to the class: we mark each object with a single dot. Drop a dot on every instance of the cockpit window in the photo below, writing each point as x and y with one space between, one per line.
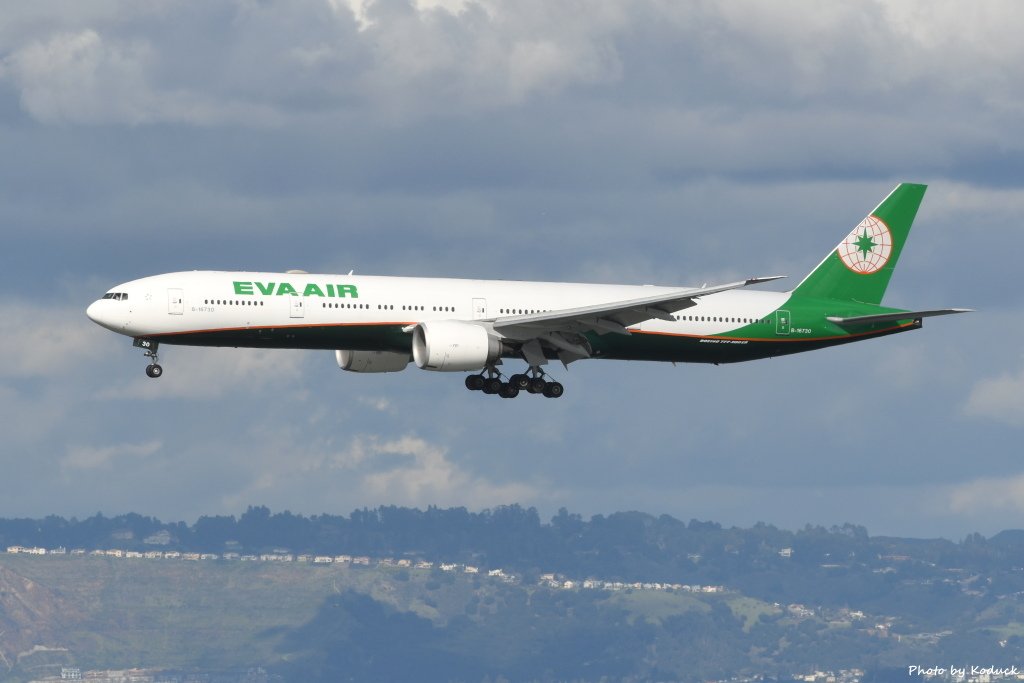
117 296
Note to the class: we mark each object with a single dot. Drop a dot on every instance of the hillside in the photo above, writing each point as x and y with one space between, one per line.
629 597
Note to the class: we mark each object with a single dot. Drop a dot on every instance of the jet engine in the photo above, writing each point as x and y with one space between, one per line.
371 361
453 346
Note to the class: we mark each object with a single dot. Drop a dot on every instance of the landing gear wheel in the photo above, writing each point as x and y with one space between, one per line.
520 382
508 390
492 385
150 347
537 385
475 382
554 390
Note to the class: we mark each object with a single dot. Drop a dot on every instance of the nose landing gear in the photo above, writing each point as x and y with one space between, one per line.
150 347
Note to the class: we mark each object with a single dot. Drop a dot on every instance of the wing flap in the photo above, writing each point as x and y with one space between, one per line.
614 317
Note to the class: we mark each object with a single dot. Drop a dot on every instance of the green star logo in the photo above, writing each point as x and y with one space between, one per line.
865 244
868 246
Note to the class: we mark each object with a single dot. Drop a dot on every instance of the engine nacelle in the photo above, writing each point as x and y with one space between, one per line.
371 361
453 346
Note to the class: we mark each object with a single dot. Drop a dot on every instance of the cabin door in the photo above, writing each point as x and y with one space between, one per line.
176 301
783 323
298 306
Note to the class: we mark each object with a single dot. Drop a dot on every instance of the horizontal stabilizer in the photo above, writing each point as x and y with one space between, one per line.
893 317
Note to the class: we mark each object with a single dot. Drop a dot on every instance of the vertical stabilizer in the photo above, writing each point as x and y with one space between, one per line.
860 267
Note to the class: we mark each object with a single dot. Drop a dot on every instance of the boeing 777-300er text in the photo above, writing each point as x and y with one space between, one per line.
380 324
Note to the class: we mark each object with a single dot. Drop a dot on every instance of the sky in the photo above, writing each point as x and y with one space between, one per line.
633 141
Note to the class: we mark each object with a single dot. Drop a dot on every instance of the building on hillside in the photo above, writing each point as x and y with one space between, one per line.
162 537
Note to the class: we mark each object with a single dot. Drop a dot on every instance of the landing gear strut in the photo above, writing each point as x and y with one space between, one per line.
153 369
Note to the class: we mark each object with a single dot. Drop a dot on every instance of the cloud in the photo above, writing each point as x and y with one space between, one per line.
85 78
206 374
379 403
273 63
985 495
89 458
79 77
277 64
998 398
422 474
45 341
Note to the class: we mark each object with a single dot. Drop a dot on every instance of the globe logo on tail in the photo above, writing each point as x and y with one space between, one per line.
866 249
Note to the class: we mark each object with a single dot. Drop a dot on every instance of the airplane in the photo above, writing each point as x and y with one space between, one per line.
380 324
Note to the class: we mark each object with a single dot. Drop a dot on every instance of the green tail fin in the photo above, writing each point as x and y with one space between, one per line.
860 267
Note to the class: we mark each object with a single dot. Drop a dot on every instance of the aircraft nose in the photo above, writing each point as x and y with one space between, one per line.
99 312
94 312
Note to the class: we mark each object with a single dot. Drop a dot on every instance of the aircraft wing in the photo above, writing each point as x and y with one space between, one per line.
893 317
614 317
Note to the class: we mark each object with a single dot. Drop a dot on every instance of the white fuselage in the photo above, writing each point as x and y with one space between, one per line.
197 302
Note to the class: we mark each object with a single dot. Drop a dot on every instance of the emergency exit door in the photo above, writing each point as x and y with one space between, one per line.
479 309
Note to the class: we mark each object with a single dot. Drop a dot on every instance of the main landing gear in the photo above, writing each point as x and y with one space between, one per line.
490 382
153 369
